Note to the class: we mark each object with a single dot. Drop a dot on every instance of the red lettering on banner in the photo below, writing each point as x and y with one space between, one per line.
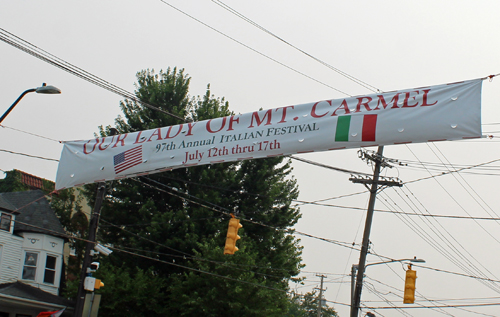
284 113
170 129
93 148
381 99
120 139
231 120
255 116
344 106
361 103
102 142
313 110
190 128
139 137
424 99
209 128
407 97
157 133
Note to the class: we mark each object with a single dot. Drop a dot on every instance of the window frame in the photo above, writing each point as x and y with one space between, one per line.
53 270
27 265
5 215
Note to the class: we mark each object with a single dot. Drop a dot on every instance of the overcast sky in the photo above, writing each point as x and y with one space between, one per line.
388 45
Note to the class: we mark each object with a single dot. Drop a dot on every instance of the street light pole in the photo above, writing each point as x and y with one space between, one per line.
40 90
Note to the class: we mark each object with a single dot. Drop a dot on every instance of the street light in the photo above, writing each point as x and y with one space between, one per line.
40 90
414 260
355 268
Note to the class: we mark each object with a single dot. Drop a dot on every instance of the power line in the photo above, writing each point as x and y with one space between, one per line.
445 251
469 186
304 202
34 134
29 155
241 16
226 212
43 55
252 49
329 167
458 204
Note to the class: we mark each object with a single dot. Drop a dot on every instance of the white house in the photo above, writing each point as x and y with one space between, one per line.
31 256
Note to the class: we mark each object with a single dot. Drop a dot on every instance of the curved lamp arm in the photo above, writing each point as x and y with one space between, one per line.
41 90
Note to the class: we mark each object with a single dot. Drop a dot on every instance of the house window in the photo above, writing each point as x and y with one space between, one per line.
29 268
5 221
50 269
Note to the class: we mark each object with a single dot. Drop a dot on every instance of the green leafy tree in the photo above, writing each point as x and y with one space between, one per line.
67 205
175 222
128 289
307 306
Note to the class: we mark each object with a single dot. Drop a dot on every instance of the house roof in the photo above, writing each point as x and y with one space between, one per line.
5 205
35 212
25 291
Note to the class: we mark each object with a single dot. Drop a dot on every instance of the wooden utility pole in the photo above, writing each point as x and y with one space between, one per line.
375 182
87 258
320 297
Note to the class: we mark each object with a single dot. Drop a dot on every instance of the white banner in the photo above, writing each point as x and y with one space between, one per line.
435 113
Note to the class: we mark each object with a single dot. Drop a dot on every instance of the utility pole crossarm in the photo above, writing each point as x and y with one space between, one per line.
381 182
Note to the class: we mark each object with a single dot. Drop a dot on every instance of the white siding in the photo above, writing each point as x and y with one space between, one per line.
43 245
10 258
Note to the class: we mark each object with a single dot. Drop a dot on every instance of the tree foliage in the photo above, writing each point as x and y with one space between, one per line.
307 306
173 224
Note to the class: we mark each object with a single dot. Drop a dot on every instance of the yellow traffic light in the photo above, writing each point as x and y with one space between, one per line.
409 295
232 236
91 283
98 284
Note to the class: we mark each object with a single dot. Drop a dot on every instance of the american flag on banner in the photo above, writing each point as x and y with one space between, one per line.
127 159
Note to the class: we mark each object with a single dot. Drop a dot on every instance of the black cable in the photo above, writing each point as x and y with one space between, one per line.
39 53
241 16
252 49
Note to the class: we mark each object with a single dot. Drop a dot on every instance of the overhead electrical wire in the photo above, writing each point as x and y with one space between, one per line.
374 291
45 56
437 230
398 275
226 212
458 204
248 20
330 167
450 172
421 298
115 248
60 66
33 134
78 238
471 268
445 251
252 49
470 188
29 155
315 202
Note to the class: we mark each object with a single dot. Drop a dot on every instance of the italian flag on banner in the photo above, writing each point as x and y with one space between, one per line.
356 128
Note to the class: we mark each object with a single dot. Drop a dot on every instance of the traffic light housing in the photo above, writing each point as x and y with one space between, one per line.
232 235
411 277
98 284
92 283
